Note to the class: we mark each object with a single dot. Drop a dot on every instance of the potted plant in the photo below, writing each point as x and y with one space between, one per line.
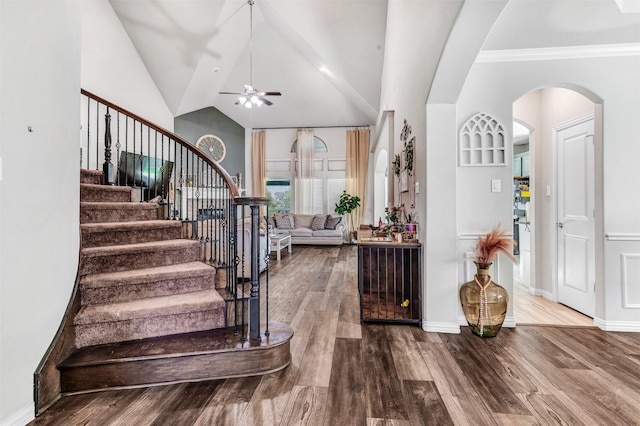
345 207
391 214
484 302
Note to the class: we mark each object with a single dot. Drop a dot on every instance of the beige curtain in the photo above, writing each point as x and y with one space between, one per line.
357 163
304 175
258 164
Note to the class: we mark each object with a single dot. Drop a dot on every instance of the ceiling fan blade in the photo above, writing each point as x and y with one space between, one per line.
230 93
265 101
270 94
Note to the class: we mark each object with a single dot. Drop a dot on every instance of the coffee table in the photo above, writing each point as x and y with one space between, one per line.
278 242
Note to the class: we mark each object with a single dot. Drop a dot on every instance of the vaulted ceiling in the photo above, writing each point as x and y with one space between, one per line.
324 56
327 56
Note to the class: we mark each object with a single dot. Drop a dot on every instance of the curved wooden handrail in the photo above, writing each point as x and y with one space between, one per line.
235 193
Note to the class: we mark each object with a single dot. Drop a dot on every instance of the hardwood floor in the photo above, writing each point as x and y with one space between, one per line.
345 373
538 310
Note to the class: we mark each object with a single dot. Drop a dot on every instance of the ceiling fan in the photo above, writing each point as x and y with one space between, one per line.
250 96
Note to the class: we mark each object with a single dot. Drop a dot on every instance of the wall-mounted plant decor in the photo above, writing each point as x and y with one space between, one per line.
482 142
396 166
408 147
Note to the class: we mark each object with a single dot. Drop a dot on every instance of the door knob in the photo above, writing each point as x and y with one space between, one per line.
560 225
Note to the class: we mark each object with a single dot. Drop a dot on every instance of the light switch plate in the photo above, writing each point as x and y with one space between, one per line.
417 187
496 185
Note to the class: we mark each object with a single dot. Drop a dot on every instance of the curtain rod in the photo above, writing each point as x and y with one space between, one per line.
315 127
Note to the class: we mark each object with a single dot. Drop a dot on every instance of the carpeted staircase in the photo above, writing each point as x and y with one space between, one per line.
145 310
148 312
138 278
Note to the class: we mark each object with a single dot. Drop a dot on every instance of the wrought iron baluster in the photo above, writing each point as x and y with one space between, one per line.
107 166
88 131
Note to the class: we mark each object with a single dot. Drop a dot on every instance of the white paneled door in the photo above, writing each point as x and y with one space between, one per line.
576 224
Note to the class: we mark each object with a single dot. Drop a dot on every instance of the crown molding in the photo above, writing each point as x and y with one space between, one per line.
628 6
554 53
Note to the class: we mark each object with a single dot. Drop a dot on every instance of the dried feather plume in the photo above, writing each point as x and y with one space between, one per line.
493 243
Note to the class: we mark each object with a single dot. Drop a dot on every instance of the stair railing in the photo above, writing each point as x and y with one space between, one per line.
188 186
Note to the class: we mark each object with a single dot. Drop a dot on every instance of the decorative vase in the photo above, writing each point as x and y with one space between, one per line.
484 303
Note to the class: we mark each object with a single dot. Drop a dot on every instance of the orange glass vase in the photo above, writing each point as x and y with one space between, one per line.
484 303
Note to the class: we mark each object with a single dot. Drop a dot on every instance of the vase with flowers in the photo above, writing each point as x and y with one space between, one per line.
484 302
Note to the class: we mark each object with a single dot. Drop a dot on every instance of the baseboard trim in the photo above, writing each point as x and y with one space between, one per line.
625 326
441 327
20 417
509 322
547 295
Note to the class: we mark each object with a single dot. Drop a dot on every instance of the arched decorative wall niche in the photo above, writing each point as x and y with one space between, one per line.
482 142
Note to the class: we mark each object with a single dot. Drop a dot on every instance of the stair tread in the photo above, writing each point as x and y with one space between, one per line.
126 226
96 205
111 188
177 345
138 247
135 276
150 307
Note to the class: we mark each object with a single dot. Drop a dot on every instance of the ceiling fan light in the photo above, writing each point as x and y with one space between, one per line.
254 99
248 105
242 100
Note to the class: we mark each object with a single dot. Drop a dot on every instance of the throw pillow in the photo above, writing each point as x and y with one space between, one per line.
332 222
269 221
318 222
282 221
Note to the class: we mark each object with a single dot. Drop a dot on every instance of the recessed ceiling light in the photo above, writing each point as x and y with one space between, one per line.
326 71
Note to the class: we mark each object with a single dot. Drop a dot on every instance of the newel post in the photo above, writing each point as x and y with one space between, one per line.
107 167
254 204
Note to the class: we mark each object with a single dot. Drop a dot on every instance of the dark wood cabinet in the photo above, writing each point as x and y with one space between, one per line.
390 281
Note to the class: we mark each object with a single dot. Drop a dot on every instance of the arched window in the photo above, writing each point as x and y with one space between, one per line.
318 145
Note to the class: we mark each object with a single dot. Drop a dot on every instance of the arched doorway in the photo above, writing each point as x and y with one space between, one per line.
544 112
523 215
380 193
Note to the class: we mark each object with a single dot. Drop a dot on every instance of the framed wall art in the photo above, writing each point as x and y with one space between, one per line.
404 181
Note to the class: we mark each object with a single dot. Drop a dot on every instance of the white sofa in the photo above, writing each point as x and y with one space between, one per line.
301 229
244 246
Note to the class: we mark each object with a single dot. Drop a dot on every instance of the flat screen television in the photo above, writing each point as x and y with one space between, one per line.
150 173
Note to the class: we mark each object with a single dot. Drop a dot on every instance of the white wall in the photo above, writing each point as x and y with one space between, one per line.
413 28
493 87
42 72
112 69
39 192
